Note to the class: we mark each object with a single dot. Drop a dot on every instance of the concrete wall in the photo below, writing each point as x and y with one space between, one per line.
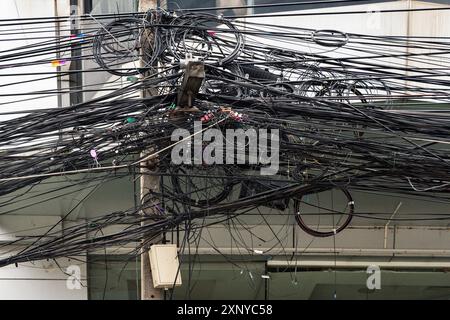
40 279
15 77
43 280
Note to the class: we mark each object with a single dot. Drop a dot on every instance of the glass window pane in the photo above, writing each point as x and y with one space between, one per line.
351 284
113 277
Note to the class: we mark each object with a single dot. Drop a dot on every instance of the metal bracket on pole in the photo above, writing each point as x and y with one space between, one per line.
192 81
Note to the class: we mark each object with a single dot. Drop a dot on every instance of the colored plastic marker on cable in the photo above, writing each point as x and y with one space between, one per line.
58 63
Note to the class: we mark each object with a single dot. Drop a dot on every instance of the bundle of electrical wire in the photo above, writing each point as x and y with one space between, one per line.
350 115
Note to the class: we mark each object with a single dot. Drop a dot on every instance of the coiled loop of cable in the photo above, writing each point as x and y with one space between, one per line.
301 223
330 38
199 27
119 42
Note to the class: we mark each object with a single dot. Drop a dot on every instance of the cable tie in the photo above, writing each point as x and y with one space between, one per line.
94 155
132 79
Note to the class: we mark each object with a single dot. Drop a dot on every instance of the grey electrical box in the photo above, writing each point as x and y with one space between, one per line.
165 266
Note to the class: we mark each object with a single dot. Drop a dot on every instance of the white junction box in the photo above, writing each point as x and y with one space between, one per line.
165 265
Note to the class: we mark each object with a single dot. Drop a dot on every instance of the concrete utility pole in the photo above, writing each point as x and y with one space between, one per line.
147 182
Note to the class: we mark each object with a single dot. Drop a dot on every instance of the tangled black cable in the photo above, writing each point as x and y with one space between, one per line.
352 121
301 223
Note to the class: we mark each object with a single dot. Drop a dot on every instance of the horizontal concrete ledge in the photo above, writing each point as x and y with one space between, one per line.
327 251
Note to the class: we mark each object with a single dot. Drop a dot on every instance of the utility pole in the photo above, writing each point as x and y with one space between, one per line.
147 180
150 180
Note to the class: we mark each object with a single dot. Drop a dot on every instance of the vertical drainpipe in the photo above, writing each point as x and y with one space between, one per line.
408 31
250 11
75 76
58 51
